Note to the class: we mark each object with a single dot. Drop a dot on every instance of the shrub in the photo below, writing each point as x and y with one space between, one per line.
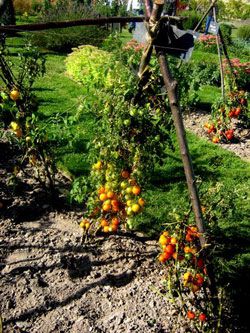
241 71
243 33
226 31
240 47
22 6
206 43
63 40
193 18
237 9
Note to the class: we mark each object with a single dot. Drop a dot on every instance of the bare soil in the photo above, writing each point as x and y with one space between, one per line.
50 282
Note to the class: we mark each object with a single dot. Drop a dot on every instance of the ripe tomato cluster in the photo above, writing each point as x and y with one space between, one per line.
221 129
192 315
183 247
117 199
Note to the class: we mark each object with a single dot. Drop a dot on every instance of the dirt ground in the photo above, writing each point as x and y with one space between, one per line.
50 282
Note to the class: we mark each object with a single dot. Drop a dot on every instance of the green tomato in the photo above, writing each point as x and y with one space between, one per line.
127 122
133 112
129 211
123 185
188 256
130 223
157 138
127 197
129 190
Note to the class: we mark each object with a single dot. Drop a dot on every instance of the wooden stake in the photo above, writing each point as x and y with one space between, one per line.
171 87
220 59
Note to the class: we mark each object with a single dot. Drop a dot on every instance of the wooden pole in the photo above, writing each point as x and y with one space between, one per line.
220 58
204 15
82 22
171 87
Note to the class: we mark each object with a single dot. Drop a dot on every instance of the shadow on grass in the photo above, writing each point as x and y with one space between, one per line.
232 265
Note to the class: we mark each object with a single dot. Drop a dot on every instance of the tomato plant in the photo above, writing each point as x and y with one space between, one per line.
18 113
225 114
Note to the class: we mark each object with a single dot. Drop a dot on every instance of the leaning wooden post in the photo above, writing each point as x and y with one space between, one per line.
171 87
220 58
205 15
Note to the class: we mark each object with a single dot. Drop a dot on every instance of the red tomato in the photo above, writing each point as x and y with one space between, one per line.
190 315
237 111
202 317
170 249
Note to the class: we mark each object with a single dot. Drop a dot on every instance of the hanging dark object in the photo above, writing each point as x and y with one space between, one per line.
173 41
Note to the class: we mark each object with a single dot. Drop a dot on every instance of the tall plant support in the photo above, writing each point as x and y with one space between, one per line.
219 57
171 87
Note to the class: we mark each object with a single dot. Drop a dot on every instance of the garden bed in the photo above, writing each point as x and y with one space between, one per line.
195 121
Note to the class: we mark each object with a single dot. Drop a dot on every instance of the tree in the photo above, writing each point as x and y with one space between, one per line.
7 12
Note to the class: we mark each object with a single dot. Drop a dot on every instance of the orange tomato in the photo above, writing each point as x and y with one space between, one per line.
14 95
101 190
170 249
136 190
175 255
104 222
115 221
106 228
114 202
110 194
161 258
114 228
187 249
173 240
141 202
215 139
106 207
189 237
103 196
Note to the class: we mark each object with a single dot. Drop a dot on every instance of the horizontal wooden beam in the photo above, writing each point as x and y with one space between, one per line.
75 23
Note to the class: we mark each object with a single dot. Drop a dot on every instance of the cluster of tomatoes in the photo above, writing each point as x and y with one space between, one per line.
117 200
184 248
193 281
236 107
192 315
219 135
